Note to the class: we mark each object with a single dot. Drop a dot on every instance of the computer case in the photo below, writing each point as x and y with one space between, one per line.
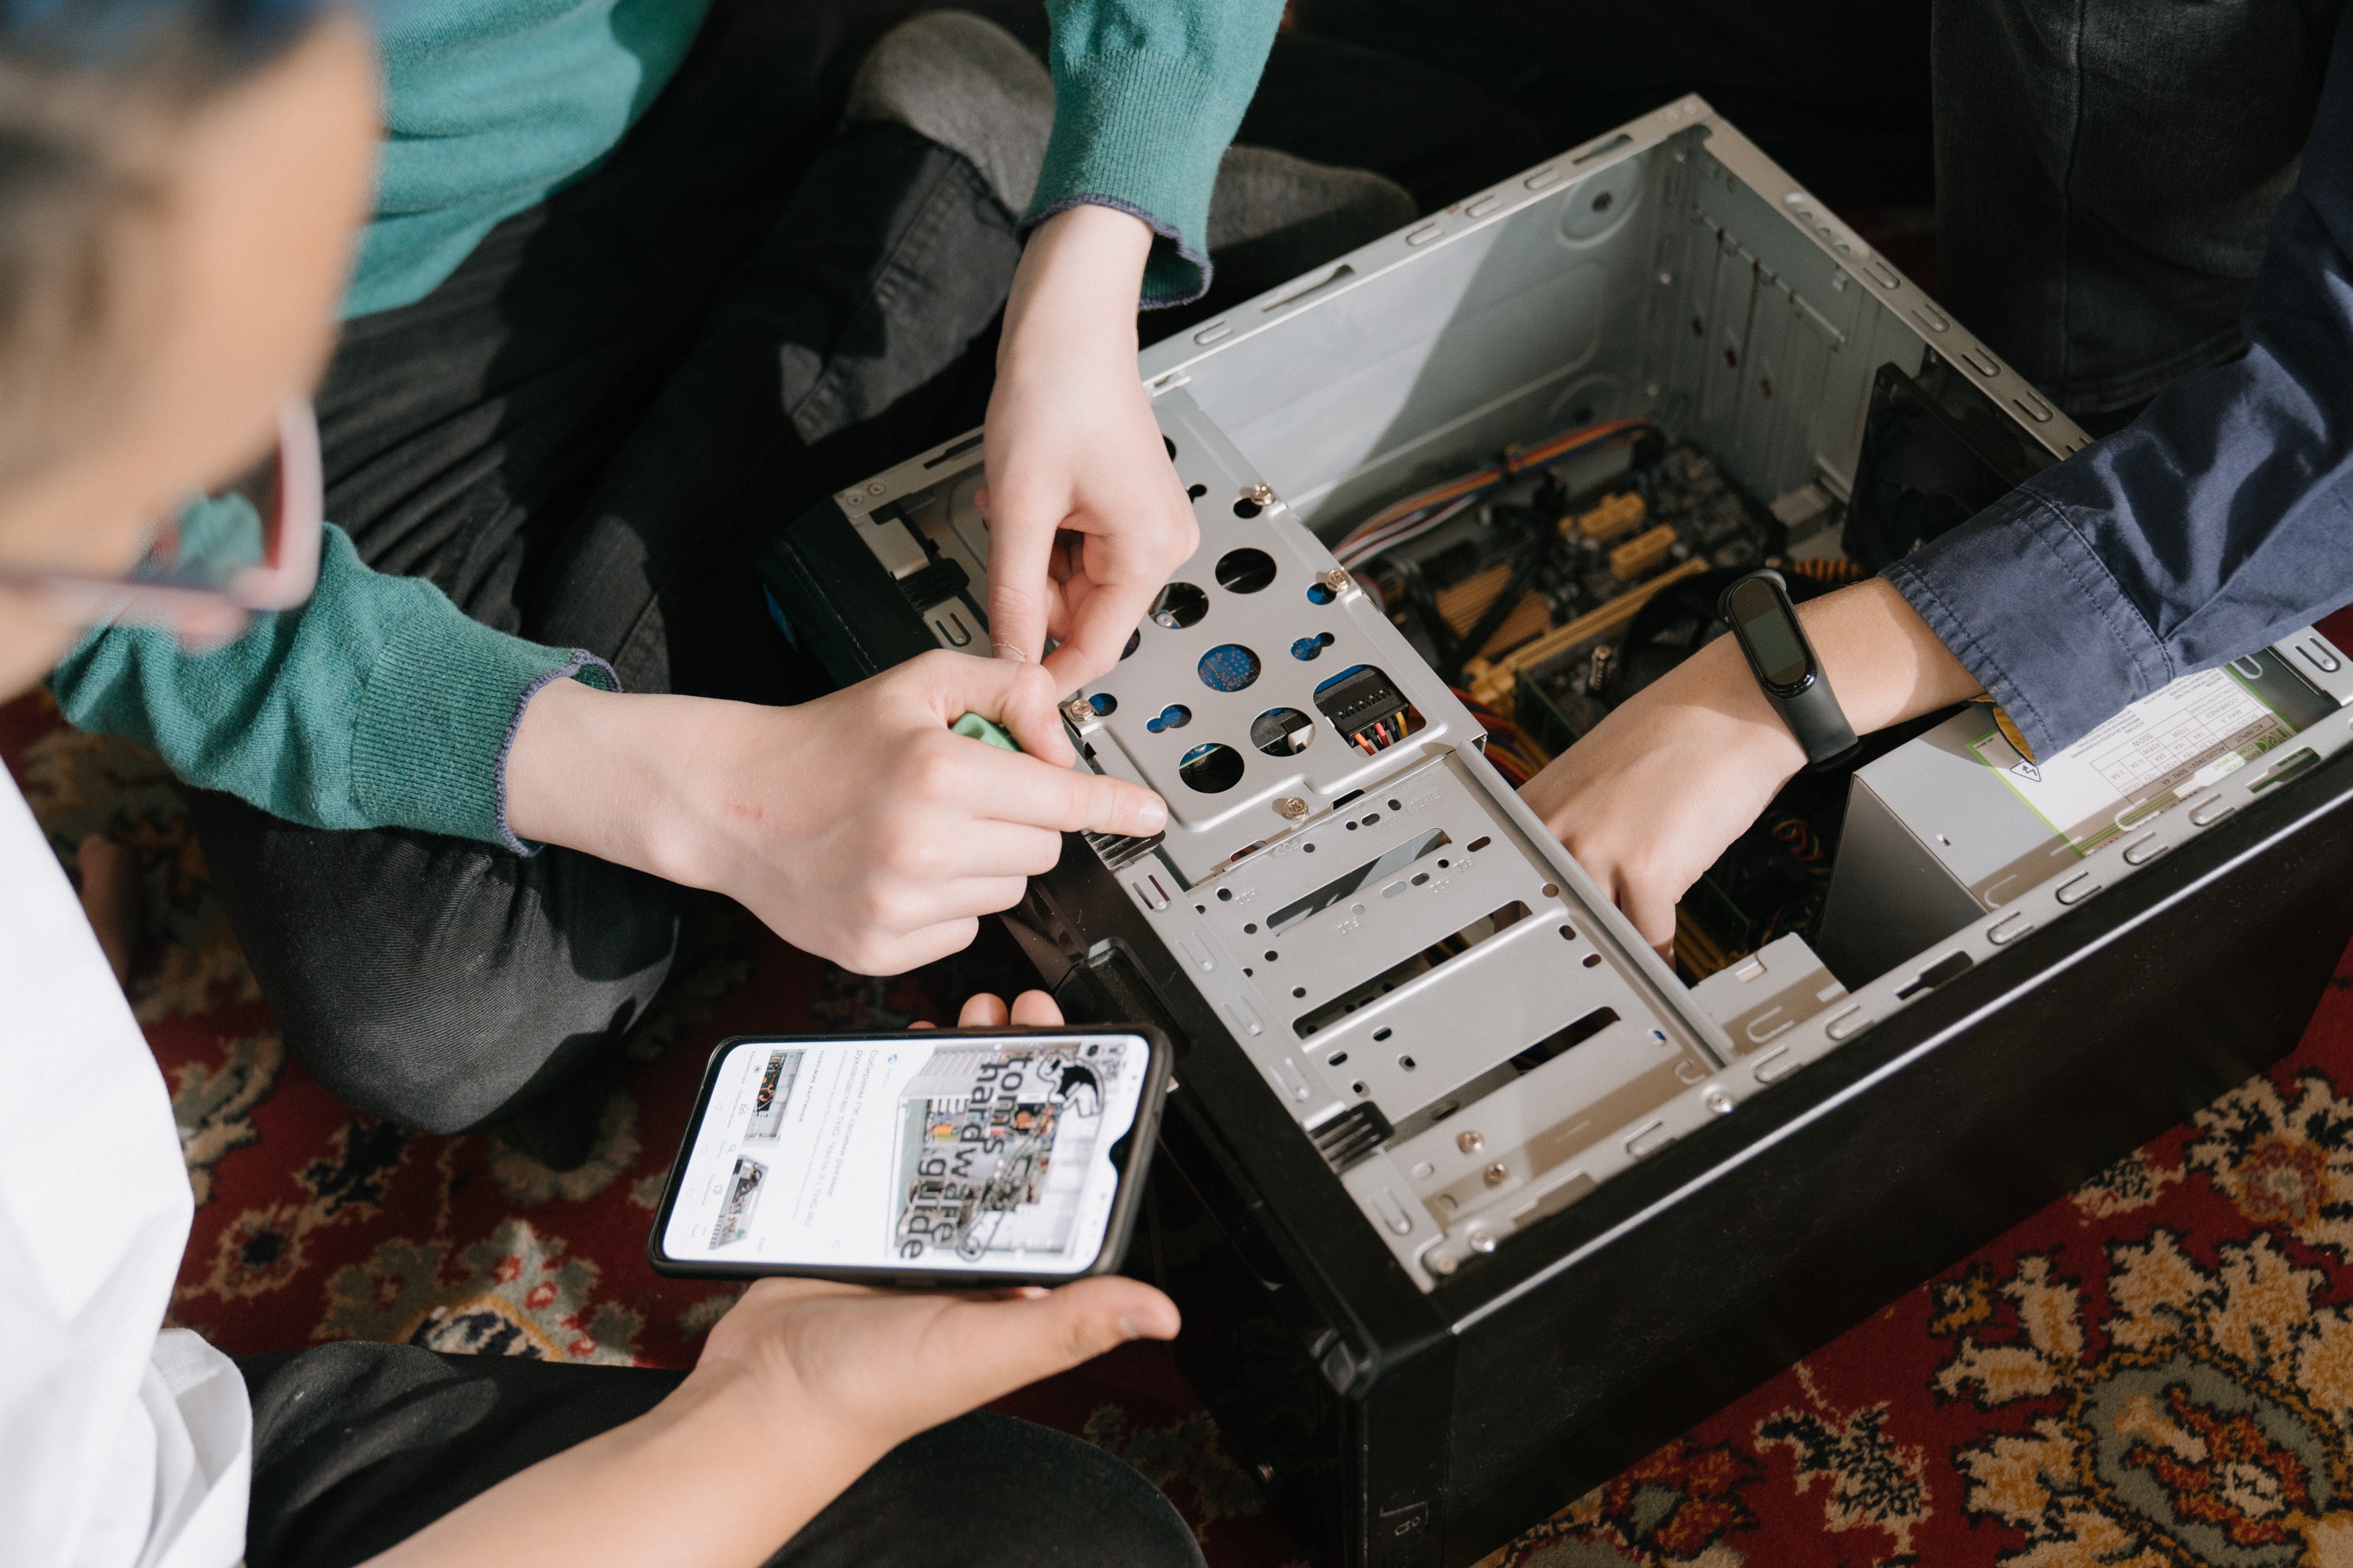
1500 1201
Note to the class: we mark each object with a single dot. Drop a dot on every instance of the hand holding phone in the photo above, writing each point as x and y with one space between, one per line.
924 1157
801 1386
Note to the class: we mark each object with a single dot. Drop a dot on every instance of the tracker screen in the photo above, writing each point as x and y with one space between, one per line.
990 1154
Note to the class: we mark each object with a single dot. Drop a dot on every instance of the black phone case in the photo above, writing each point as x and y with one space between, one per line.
1140 1140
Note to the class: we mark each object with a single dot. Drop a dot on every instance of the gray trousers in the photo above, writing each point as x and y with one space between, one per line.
585 436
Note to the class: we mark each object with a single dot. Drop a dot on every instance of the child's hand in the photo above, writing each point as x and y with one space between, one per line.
1086 518
873 1368
1660 787
1031 1009
878 1366
858 827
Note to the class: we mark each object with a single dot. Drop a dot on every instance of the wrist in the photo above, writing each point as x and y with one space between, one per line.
587 771
545 758
1077 290
1875 653
1718 681
754 1406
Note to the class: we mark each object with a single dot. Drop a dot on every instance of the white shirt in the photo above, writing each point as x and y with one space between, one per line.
119 1447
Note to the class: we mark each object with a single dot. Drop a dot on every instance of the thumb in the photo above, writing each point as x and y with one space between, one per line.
1021 593
1010 1344
1101 623
1018 696
1653 916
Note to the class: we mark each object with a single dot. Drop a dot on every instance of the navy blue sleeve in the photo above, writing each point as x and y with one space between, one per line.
2211 525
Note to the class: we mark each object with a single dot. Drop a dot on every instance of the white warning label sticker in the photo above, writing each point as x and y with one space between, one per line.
2163 747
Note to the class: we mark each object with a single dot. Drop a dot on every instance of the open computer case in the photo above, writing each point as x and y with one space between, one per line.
1502 1198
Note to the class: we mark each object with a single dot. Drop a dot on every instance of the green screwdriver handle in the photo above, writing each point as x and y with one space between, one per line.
981 728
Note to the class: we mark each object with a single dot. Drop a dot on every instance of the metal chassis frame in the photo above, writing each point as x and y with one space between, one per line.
1922 1126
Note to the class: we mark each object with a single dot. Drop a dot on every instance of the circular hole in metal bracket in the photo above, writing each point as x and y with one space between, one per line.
1211 769
1245 571
1179 605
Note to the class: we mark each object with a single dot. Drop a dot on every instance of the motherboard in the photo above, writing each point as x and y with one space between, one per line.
1546 607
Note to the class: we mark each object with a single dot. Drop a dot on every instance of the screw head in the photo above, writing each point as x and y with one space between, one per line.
1439 1263
1335 581
1262 494
1077 711
1496 1174
1720 1102
1482 1242
1469 1142
1291 807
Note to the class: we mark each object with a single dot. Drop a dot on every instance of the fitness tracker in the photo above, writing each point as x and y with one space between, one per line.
1765 624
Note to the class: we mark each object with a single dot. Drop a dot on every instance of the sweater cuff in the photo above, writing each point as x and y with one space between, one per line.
2025 604
450 689
1142 134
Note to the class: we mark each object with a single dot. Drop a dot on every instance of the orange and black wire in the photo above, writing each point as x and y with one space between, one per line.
1381 734
1832 571
1514 751
1424 510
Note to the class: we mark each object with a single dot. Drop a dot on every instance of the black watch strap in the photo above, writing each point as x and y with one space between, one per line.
1763 621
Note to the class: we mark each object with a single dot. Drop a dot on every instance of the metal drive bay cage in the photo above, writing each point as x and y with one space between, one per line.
1516 1198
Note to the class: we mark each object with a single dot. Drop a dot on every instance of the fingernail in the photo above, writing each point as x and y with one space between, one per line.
1152 814
1129 1327
1007 651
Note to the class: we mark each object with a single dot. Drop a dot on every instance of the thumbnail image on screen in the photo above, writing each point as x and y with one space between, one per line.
776 1091
736 1205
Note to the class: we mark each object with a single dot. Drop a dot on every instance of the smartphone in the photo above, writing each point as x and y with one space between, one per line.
931 1157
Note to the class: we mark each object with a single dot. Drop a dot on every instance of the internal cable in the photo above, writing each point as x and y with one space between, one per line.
1540 543
1515 752
1417 514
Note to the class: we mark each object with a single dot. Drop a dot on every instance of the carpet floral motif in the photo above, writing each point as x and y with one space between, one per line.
513 1293
1868 1481
2192 1423
2194 1409
2156 1371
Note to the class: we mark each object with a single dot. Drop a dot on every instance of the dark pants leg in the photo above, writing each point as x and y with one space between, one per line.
583 436
2107 172
357 1447
1456 94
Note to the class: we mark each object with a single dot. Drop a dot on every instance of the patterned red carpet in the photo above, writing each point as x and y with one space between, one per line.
2156 1371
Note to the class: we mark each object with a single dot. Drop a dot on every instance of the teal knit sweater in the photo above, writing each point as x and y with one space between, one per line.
379 703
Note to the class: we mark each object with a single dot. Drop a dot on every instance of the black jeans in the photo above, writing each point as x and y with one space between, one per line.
2104 171
358 1447
584 435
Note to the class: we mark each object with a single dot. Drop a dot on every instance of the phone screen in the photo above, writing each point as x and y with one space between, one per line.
979 1153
